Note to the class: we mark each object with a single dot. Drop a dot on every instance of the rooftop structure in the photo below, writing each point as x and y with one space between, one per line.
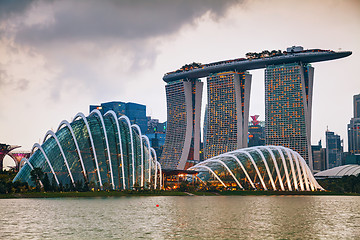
255 61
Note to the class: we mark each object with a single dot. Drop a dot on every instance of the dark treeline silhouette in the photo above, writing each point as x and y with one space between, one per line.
346 184
41 181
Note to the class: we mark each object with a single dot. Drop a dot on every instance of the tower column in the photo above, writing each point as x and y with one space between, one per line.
227 112
182 143
288 103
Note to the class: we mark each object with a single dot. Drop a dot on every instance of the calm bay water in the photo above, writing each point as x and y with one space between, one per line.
188 217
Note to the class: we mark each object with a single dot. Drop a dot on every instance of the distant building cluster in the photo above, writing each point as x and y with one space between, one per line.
333 155
136 113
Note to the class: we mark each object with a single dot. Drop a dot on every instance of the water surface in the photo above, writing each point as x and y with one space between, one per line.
185 217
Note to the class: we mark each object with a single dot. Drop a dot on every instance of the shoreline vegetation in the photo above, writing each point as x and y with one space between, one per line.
143 193
44 188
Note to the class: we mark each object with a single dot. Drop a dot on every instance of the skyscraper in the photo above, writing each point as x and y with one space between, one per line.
334 150
354 128
357 106
182 144
288 100
134 111
256 132
319 157
227 112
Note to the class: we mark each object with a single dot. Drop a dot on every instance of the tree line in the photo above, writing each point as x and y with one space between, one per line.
42 183
346 184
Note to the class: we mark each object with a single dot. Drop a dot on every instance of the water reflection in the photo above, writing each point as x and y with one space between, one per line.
217 217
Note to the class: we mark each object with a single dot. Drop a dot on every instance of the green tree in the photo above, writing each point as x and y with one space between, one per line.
46 183
36 175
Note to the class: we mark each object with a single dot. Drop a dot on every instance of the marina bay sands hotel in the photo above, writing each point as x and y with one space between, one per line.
288 102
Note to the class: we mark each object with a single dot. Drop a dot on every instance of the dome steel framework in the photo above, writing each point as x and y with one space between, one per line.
101 149
260 168
339 172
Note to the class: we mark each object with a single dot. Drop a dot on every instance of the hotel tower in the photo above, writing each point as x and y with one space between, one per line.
288 99
182 143
227 112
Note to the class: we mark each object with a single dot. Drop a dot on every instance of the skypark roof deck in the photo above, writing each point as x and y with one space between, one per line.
243 64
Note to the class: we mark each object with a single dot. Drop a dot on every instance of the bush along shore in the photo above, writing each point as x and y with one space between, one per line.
44 188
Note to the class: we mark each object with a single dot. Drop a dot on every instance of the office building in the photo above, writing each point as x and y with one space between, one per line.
334 150
156 133
357 106
134 111
354 136
319 157
354 128
256 132
288 100
182 143
227 112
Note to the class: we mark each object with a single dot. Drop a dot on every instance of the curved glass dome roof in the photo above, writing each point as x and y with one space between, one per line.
338 172
262 168
102 149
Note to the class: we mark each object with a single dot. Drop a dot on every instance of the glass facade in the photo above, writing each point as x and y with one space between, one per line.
354 128
182 143
227 112
259 168
134 111
103 150
354 136
288 91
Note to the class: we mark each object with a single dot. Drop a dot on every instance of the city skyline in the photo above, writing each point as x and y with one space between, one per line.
49 72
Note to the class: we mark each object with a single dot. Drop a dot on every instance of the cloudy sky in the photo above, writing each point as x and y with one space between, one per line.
58 57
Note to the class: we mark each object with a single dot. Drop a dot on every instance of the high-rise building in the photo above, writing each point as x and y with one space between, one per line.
319 157
118 107
137 115
256 132
357 106
134 111
227 112
354 128
156 132
334 150
288 100
354 136
182 144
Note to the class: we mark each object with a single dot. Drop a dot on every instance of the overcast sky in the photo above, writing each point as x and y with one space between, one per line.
58 57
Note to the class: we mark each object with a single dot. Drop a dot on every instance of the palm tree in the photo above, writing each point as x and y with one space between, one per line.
36 175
